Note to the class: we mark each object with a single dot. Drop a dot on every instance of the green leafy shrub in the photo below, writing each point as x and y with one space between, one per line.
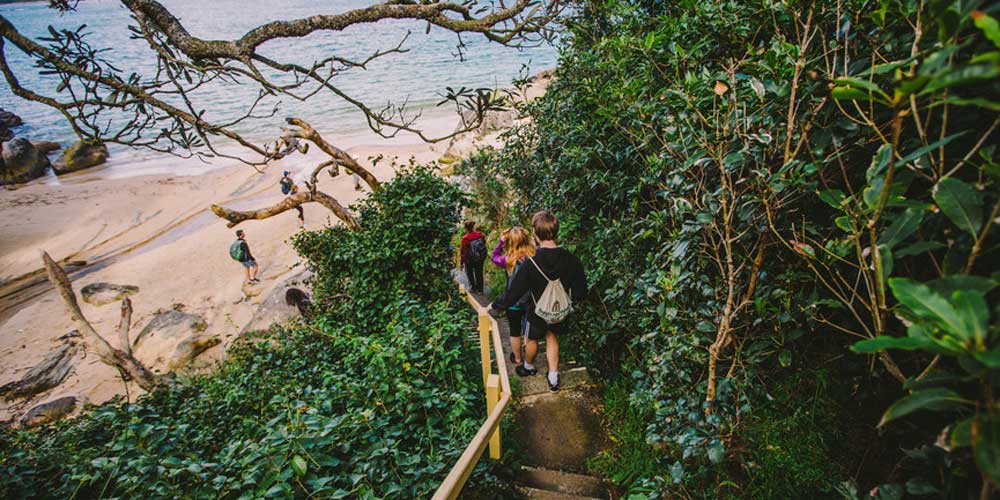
378 406
743 180
786 457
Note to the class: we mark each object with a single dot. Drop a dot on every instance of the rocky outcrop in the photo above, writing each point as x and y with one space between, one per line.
21 162
50 411
80 156
190 348
46 147
171 340
57 364
8 121
99 294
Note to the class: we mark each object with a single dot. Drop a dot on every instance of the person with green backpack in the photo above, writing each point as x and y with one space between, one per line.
240 252
555 279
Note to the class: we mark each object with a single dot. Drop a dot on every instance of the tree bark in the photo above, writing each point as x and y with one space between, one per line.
92 340
124 325
289 202
340 156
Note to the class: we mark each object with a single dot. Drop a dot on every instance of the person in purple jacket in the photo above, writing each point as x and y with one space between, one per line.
519 245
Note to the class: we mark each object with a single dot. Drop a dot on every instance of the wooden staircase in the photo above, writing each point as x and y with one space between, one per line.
558 431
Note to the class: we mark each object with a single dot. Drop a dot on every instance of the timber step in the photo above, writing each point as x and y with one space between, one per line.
537 494
538 384
566 483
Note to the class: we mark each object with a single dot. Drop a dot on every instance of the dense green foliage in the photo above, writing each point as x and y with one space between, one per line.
755 186
374 398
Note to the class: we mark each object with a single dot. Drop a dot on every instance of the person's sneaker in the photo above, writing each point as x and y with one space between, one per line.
525 372
255 281
553 387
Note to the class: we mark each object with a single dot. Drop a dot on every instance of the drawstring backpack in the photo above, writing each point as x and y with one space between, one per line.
554 304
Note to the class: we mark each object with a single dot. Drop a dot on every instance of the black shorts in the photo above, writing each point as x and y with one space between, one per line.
535 327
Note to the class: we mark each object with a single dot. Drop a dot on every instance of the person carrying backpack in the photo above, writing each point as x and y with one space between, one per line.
289 188
240 252
473 255
555 279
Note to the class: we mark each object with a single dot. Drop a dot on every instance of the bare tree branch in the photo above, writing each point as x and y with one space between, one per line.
124 325
289 202
163 112
92 340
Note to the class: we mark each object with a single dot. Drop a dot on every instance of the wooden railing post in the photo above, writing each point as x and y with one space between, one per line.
484 345
492 398
498 399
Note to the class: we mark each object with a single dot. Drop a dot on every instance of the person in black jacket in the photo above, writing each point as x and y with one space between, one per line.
556 263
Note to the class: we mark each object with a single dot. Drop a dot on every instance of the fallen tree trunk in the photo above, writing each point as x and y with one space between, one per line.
93 341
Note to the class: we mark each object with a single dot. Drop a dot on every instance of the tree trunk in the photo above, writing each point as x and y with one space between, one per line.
92 340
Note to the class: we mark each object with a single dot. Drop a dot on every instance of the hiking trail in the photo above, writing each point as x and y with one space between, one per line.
556 432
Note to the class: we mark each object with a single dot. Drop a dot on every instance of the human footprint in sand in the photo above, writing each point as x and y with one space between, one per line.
240 252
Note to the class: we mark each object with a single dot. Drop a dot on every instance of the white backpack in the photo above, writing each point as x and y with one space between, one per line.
554 304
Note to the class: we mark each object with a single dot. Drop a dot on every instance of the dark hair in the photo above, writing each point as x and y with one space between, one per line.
545 225
239 233
470 226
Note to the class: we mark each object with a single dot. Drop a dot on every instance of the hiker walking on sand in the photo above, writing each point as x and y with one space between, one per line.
473 255
240 252
555 279
516 245
289 188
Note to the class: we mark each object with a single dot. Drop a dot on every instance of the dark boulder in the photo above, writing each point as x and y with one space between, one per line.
8 121
57 364
46 147
80 156
22 162
50 411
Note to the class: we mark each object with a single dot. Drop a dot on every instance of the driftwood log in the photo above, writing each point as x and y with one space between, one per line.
121 359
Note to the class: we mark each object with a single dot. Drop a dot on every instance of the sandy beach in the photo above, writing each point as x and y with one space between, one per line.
156 232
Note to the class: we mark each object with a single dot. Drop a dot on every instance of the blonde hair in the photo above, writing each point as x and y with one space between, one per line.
519 244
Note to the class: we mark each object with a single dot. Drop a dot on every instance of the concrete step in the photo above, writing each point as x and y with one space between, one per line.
562 482
538 384
537 494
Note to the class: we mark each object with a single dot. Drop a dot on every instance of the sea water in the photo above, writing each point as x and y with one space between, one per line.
419 76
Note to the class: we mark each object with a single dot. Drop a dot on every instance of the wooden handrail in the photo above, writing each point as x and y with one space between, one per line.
497 386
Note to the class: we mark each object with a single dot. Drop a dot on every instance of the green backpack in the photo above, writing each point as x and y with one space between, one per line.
236 251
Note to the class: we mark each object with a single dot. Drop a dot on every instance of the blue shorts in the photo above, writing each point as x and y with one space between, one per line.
248 263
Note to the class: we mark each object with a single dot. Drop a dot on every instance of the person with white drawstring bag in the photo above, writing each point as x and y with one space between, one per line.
555 279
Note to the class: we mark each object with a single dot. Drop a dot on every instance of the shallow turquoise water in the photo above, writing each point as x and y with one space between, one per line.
418 76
